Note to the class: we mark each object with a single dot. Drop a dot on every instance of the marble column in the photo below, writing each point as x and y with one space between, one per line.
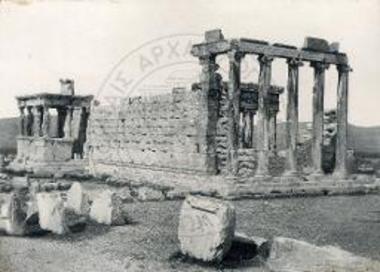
262 145
67 129
341 170
22 122
45 121
209 107
61 117
318 112
233 108
37 121
29 121
272 130
292 117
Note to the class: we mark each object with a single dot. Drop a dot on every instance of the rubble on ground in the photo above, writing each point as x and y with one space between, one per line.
206 228
107 208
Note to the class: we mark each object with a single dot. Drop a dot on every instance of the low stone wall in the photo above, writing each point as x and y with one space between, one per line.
31 149
157 132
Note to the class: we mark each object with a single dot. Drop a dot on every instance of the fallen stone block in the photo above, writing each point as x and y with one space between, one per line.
4 176
51 210
106 208
20 181
78 199
81 195
125 194
206 228
41 174
177 194
12 214
6 188
288 254
149 194
49 186
31 203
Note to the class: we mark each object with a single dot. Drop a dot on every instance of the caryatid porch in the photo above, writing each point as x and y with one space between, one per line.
47 138
320 56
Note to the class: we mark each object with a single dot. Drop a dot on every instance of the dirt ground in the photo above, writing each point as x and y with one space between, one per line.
149 242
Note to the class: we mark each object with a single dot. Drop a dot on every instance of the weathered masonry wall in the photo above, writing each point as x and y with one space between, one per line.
158 132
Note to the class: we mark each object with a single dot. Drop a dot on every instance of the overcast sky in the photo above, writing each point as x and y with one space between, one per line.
43 41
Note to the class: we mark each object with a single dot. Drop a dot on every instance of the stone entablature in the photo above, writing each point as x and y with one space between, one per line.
54 100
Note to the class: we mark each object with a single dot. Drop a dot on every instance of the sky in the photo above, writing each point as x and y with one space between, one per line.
92 41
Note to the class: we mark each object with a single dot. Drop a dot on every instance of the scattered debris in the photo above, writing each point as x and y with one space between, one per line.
78 200
107 209
206 228
288 254
51 210
145 193
12 213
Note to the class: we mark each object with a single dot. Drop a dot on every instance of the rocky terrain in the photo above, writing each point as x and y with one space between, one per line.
149 241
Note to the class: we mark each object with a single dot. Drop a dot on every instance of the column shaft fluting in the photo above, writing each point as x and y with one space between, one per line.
233 108
342 122
318 113
292 116
272 130
263 116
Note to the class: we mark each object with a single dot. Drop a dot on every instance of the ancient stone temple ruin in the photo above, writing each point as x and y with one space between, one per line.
319 54
209 130
217 130
52 128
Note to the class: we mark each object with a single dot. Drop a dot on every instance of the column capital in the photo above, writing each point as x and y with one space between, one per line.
344 68
207 59
294 62
235 55
265 59
319 66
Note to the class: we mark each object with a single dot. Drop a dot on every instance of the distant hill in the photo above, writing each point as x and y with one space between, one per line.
362 139
365 140
8 133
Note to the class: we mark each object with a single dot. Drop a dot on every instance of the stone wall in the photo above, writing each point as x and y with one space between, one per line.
158 132
34 150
